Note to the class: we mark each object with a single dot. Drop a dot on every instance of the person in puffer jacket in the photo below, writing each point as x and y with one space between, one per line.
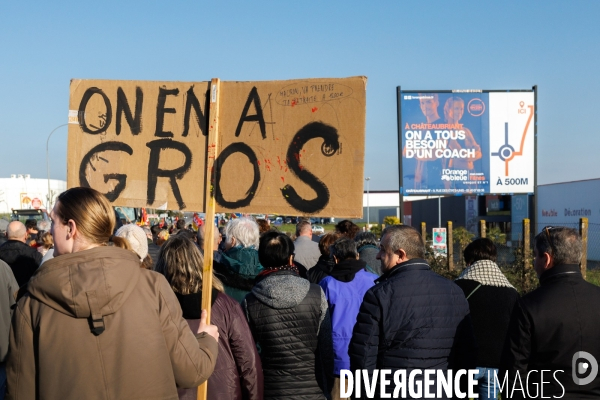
290 322
413 318
344 290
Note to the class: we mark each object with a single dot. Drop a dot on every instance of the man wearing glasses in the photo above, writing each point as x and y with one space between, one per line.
554 335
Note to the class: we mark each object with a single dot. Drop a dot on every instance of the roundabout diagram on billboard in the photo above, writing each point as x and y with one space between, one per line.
507 152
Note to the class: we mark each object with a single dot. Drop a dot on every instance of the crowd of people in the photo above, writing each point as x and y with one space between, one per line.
115 311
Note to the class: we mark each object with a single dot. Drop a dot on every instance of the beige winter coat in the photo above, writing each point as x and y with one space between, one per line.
145 351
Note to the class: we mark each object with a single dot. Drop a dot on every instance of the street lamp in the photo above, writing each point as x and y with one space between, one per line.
48 165
368 216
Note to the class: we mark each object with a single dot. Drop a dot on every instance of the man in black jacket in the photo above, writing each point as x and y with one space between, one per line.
412 319
553 344
491 300
22 259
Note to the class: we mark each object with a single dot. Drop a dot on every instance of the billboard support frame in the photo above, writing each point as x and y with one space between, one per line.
533 214
400 176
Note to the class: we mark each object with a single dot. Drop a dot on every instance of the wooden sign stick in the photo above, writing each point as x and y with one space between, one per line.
209 228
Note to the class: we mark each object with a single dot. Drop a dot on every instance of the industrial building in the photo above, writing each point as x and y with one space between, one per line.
23 191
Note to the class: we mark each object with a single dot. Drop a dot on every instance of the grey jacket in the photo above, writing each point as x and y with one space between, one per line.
8 289
368 254
306 251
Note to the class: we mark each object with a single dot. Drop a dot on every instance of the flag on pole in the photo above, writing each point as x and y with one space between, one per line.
197 221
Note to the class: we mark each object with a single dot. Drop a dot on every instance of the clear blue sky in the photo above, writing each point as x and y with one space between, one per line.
414 44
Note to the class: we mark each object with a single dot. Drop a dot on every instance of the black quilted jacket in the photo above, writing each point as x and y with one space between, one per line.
290 323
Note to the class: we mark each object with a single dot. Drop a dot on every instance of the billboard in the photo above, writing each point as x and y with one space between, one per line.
467 142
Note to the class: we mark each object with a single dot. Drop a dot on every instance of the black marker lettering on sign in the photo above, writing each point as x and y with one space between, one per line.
121 178
154 172
253 97
331 142
82 106
191 101
134 122
161 111
242 148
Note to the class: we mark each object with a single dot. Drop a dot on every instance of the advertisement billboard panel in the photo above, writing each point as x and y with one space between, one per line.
467 142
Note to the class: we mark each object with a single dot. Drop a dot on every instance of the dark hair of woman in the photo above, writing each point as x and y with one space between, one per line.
181 262
347 228
326 241
480 249
274 250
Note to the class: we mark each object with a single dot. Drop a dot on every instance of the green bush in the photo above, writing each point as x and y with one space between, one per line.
391 220
376 230
496 235
463 237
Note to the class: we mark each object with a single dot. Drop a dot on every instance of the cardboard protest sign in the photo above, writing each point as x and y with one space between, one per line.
284 147
292 147
141 143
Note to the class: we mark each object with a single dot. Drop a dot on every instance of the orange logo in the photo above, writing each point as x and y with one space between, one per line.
476 107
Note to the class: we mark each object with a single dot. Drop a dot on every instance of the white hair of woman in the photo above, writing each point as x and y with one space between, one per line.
43 225
243 232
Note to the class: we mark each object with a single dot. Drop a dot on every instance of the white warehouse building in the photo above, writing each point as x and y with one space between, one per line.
22 191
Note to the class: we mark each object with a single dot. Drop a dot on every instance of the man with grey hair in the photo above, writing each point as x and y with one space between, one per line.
306 251
413 318
239 263
22 259
555 328
215 242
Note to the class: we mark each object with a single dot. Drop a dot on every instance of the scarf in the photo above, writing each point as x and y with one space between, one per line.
485 272
268 271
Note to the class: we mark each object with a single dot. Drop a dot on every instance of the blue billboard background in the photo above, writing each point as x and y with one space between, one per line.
445 143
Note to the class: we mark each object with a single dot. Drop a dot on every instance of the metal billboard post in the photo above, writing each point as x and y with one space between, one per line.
400 178
368 215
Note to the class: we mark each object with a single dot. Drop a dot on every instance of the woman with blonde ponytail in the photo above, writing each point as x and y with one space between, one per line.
92 324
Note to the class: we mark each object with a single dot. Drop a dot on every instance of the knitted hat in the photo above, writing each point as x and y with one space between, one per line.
136 238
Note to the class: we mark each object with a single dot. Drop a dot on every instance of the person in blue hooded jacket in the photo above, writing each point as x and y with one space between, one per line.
344 289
